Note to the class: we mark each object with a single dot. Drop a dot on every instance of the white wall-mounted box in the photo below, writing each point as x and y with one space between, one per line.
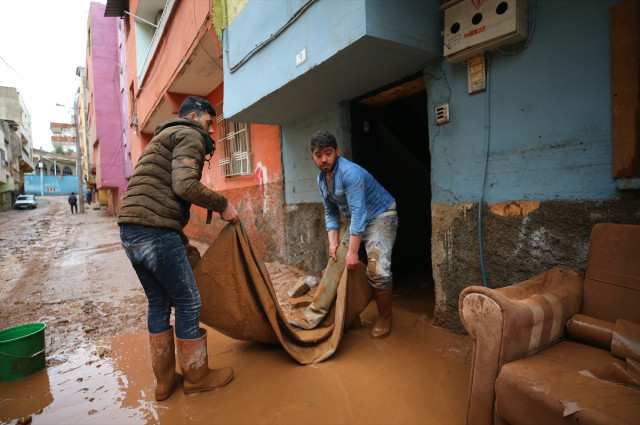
474 26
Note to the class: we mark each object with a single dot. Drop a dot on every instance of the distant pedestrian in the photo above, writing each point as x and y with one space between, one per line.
89 196
73 202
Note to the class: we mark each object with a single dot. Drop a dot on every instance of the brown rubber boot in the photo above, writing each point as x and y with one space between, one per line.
192 355
163 363
382 328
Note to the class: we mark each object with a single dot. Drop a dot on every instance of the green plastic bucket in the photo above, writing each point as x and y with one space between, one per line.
21 351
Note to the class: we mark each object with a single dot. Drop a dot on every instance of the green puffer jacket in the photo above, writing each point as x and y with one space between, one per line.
166 179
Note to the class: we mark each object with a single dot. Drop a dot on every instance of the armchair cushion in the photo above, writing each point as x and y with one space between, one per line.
558 386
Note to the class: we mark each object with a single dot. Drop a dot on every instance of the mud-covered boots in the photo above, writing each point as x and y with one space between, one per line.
163 363
192 355
382 328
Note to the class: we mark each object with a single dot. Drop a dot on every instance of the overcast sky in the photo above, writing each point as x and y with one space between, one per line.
41 44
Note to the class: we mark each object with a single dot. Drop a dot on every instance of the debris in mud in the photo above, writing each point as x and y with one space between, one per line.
301 302
103 352
88 307
302 286
282 276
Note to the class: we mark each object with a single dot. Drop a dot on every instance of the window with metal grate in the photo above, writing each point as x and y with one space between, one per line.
233 145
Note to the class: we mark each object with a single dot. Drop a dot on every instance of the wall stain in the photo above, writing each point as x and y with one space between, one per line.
514 208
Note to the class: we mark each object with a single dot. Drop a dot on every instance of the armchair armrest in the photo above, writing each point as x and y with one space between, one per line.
512 322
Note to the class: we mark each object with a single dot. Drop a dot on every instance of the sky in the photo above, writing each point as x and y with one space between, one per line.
41 44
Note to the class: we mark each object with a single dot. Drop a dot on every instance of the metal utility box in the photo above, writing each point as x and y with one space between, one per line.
474 26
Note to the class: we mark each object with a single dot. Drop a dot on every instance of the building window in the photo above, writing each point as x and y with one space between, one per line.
66 171
234 146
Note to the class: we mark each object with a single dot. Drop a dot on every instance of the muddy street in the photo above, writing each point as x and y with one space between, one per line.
70 272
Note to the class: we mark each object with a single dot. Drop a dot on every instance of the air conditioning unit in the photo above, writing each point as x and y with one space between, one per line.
473 26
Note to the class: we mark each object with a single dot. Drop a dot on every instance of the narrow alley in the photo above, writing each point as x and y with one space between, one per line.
70 272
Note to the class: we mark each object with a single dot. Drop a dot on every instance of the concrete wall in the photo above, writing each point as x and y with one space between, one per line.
351 47
245 84
9 104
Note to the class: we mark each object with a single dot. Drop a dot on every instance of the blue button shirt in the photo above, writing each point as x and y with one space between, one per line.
355 193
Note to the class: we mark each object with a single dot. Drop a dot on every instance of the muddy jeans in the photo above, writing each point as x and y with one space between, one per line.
160 261
378 239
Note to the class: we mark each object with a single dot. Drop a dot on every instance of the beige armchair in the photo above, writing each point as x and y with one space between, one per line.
525 368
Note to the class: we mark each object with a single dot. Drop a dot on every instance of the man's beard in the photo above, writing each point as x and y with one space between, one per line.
331 168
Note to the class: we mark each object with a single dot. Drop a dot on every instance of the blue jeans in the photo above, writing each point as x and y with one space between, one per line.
160 261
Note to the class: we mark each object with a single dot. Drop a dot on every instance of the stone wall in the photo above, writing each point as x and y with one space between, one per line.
307 245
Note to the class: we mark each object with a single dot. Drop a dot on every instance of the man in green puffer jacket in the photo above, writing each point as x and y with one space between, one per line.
155 209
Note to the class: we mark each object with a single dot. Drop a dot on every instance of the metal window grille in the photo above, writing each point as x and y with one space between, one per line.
234 146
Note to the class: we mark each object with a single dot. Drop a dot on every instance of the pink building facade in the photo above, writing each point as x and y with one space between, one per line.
108 132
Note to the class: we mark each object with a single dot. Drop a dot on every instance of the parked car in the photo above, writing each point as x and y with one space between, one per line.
25 201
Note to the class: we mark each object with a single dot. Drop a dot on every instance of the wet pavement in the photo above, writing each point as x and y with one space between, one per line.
70 272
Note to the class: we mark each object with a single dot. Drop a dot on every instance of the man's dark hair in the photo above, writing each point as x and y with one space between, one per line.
323 139
196 104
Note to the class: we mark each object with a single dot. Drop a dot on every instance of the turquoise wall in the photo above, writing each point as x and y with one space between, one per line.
300 171
352 47
57 185
549 110
274 65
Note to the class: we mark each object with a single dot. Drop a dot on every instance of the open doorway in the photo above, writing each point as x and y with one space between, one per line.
389 138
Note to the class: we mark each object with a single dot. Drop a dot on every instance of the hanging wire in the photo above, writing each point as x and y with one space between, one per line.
486 161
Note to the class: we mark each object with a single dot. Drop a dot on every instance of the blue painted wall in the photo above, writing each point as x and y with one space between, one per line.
300 171
51 185
352 47
248 84
549 109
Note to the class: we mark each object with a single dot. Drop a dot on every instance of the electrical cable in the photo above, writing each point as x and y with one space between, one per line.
10 67
486 162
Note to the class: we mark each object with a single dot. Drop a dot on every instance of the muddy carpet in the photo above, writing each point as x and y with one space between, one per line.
239 300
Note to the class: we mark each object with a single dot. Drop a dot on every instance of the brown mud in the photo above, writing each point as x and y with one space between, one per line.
70 272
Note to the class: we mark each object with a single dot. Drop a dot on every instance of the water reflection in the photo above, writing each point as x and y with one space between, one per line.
25 397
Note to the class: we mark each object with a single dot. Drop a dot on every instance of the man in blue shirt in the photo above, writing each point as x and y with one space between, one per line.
349 189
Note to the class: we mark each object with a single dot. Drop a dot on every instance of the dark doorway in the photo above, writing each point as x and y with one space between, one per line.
389 138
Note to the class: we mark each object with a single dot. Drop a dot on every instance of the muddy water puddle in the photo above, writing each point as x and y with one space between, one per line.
419 375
